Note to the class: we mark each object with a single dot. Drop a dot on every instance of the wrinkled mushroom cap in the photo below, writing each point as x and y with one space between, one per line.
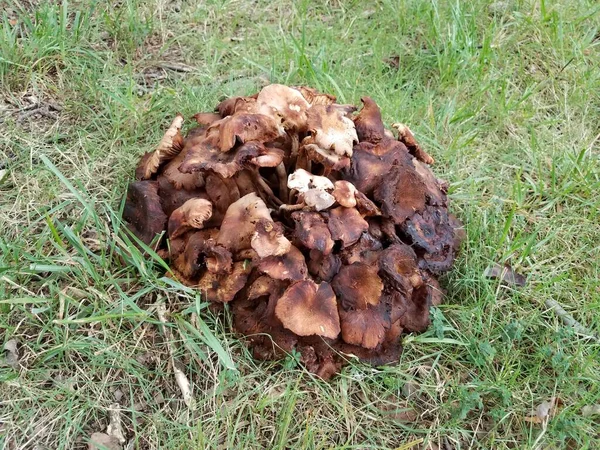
268 239
284 103
331 130
192 214
239 223
309 309
169 147
358 286
368 123
364 327
346 225
290 266
312 231
302 181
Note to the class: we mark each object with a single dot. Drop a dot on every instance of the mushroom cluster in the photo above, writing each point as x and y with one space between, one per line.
322 230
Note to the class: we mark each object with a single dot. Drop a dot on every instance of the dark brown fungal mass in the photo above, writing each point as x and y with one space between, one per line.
323 231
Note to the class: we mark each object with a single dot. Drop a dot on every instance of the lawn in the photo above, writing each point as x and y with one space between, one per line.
505 95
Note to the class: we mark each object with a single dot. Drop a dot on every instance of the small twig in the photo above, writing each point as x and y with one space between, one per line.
175 67
180 377
292 207
569 320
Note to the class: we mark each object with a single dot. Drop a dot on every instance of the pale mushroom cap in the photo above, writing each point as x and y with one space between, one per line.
299 180
197 211
307 309
318 199
344 193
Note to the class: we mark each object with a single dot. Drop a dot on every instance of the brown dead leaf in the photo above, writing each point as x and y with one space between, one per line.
506 274
545 411
103 441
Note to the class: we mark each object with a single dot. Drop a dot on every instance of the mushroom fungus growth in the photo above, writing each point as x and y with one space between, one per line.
322 231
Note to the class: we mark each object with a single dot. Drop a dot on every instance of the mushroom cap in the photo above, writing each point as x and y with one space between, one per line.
314 97
202 252
346 225
364 327
222 288
358 286
206 118
239 223
365 205
233 105
406 136
331 130
222 192
307 308
401 194
290 266
302 181
371 163
169 146
180 180
368 123
344 193
434 188
325 157
323 267
192 214
203 155
172 198
312 231
143 211
366 250
268 239
284 103
243 128
317 199
398 265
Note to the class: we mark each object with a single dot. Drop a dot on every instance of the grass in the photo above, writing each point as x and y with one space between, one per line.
505 95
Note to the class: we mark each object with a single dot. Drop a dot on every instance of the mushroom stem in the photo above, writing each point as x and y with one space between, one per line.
303 162
295 207
265 188
283 189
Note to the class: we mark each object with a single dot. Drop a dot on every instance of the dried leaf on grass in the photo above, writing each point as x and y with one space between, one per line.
545 411
590 410
506 274
12 355
114 438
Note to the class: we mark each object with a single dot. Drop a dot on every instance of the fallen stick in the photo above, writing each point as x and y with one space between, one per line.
568 319
180 377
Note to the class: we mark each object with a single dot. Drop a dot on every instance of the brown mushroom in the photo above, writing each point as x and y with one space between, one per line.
330 130
357 286
307 308
346 225
406 136
192 214
242 128
233 105
170 145
268 239
364 327
323 267
239 223
399 267
290 266
401 194
368 123
201 253
222 288
285 103
312 231
314 97
143 211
